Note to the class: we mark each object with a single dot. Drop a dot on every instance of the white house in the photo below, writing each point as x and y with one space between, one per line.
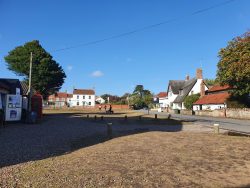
216 98
161 100
100 100
83 97
179 89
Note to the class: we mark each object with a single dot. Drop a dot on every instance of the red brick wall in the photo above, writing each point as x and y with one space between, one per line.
114 106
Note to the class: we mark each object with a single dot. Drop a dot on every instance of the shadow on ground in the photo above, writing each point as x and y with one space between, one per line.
58 134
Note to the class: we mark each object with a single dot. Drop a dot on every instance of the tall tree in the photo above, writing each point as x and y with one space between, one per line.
190 99
234 65
141 97
47 75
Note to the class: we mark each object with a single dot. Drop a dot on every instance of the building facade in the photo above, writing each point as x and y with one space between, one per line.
178 90
83 97
161 100
216 98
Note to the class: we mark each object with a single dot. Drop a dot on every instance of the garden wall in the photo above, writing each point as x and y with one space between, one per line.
114 106
238 113
212 113
186 112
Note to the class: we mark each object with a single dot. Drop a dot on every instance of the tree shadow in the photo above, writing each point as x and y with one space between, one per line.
59 134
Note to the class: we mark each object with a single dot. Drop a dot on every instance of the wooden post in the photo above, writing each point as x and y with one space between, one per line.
155 116
109 130
139 117
95 117
216 128
126 117
87 116
101 117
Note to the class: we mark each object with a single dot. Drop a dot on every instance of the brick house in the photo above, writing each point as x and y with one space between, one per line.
60 99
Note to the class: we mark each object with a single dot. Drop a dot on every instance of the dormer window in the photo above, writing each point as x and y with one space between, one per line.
181 92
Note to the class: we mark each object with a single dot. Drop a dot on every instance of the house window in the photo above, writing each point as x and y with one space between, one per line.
77 103
181 92
77 96
83 96
89 103
89 97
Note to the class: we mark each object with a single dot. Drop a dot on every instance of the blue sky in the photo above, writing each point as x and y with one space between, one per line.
151 57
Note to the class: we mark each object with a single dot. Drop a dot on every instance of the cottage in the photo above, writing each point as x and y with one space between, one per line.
179 89
161 100
215 98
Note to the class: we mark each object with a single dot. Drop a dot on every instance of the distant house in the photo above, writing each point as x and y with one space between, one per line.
100 100
83 97
69 100
179 89
161 100
60 99
216 98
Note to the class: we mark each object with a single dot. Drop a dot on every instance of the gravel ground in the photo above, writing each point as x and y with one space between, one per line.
70 150
152 159
60 133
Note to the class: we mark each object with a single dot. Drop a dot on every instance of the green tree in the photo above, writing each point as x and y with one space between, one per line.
139 89
210 82
47 75
141 97
189 101
234 65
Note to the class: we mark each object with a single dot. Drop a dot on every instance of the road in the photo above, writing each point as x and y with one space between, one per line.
225 123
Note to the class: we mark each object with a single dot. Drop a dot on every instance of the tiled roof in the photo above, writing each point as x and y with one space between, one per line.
70 96
162 94
61 95
84 92
219 88
218 98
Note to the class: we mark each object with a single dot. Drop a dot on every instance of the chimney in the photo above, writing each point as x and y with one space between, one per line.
202 89
187 78
199 73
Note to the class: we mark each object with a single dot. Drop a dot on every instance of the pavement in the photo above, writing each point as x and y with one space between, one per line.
237 125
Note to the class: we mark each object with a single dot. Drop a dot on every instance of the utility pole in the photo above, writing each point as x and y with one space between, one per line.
30 76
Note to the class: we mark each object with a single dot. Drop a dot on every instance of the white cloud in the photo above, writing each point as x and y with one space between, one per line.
97 73
69 68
